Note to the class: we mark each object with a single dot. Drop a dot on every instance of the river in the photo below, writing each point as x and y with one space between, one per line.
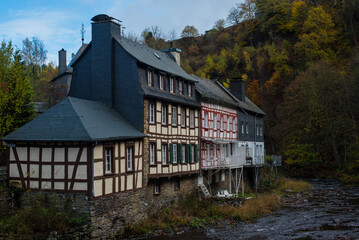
330 212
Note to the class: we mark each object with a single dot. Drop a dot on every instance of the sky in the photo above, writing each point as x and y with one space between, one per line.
58 23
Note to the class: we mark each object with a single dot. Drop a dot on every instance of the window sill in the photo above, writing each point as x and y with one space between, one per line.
130 171
109 174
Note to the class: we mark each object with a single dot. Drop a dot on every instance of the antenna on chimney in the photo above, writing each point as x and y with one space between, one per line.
82 33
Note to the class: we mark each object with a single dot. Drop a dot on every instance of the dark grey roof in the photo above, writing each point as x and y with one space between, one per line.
214 90
176 98
75 119
148 56
211 90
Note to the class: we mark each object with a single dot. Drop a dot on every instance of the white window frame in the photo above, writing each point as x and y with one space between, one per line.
228 123
164 154
174 116
206 120
183 117
164 114
193 157
174 153
234 125
129 158
108 158
162 82
152 113
191 118
215 122
171 85
152 153
150 78
183 153
221 123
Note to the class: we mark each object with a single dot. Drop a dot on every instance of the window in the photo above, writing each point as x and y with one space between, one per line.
152 113
174 153
180 87
129 158
191 118
150 78
207 152
242 127
152 153
108 160
183 153
228 150
177 183
162 82
215 122
257 130
215 152
157 187
247 131
189 90
261 130
174 116
206 120
164 154
164 114
183 117
228 123
221 123
192 154
234 125
172 90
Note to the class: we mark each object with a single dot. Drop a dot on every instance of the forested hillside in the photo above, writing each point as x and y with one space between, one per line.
300 62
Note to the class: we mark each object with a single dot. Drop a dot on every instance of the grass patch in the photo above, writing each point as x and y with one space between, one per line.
41 217
198 212
295 186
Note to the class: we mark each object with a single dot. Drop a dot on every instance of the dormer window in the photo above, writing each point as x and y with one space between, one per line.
150 78
162 82
180 87
189 90
172 89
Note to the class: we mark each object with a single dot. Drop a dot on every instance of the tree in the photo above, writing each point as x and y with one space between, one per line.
219 24
33 51
242 12
15 91
189 31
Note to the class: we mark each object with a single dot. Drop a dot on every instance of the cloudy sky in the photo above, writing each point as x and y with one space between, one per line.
58 23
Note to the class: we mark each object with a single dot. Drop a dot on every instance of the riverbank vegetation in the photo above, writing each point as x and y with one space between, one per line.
194 212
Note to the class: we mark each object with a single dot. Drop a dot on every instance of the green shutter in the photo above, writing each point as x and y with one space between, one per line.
171 153
197 157
189 153
180 153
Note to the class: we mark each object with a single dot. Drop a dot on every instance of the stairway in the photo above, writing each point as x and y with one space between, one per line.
204 189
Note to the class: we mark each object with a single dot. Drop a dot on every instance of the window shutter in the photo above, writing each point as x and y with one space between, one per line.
180 153
196 149
171 153
188 153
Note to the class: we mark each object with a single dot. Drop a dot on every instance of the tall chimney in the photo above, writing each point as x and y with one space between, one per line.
174 53
238 89
103 30
62 61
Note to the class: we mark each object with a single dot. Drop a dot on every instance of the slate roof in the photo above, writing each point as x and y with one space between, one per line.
216 91
76 119
148 56
210 89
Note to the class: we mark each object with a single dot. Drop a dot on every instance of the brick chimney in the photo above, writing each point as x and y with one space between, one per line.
238 89
62 61
174 53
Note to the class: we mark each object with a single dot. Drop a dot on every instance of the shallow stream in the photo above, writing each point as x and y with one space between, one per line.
330 212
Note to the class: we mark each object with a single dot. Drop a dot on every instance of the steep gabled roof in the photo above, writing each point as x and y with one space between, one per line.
75 119
147 55
209 89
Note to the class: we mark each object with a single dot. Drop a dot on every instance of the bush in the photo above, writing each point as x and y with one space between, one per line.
293 186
